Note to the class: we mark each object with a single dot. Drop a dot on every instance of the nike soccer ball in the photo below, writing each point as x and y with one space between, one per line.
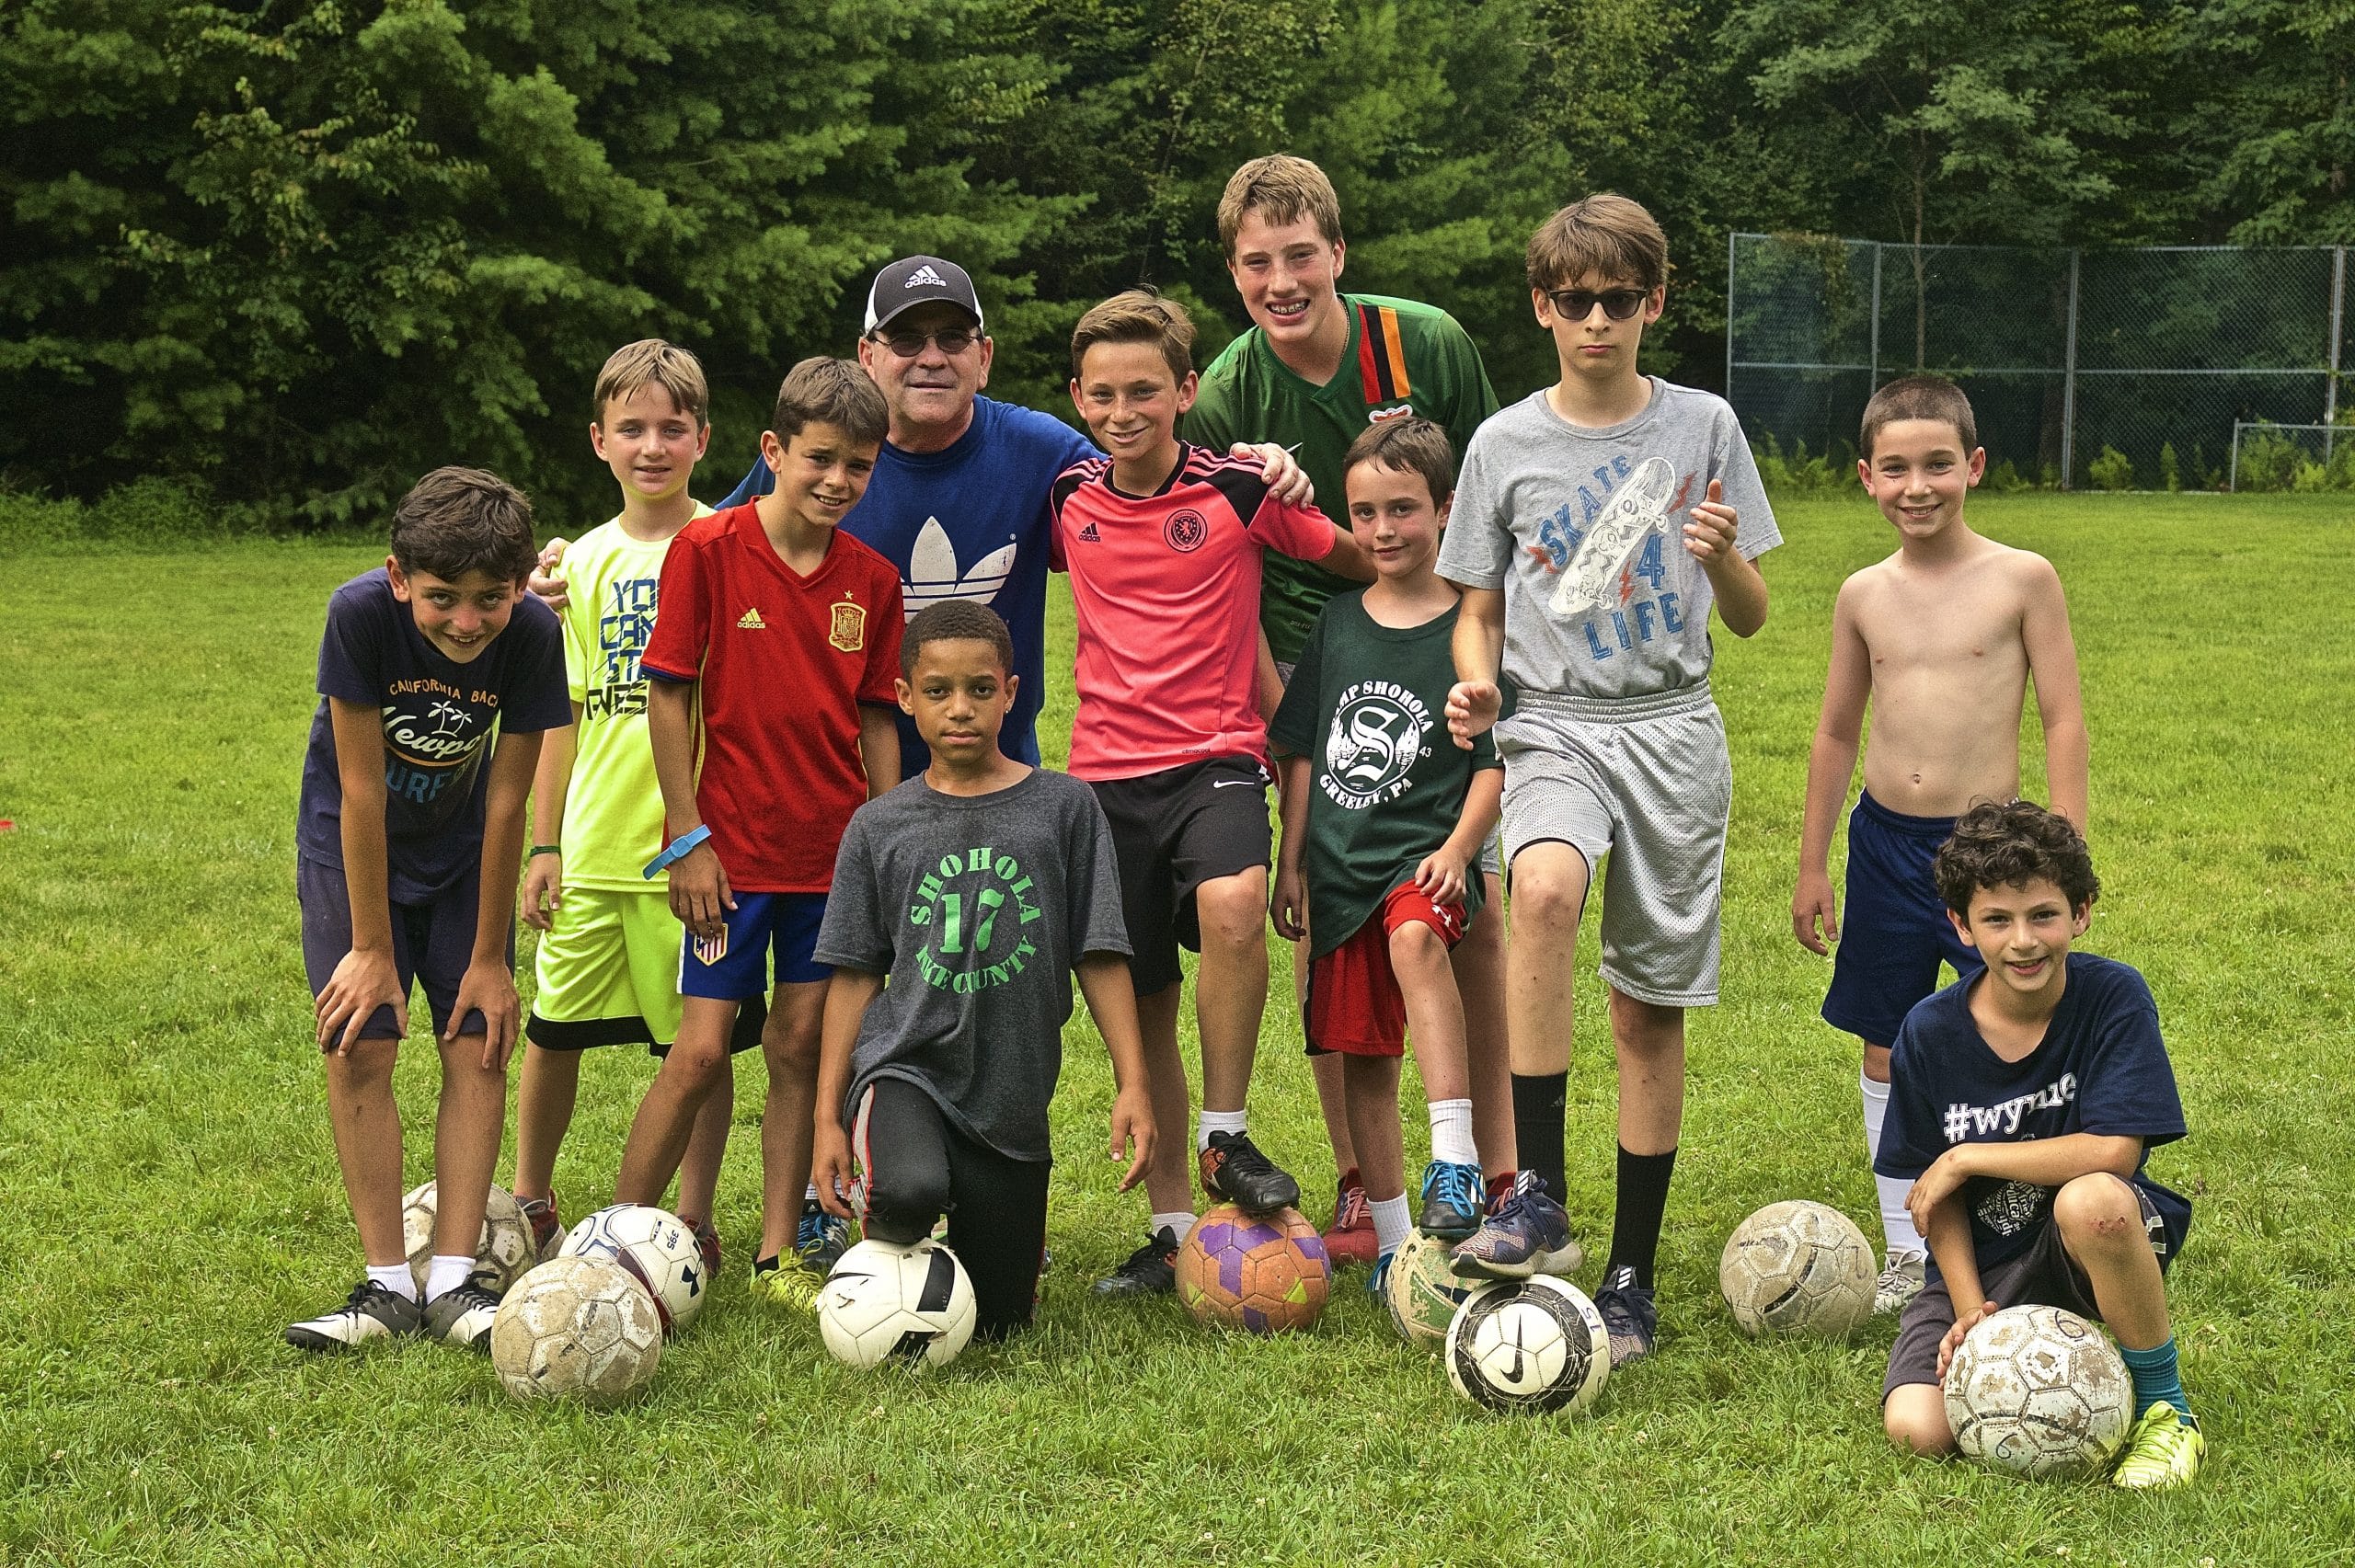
654 1247
576 1328
1534 1344
2038 1389
1798 1268
887 1302
504 1251
1268 1275
1422 1289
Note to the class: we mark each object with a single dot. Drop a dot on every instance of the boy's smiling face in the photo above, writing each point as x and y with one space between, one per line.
1393 518
821 473
1130 399
460 618
2022 931
1287 275
1918 474
959 694
1594 346
650 443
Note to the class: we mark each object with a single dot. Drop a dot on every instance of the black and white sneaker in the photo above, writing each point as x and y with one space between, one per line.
1152 1269
462 1317
1630 1314
371 1312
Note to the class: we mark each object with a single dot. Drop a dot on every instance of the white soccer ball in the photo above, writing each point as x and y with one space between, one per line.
2038 1389
1534 1344
887 1302
576 1328
1799 1268
654 1247
503 1251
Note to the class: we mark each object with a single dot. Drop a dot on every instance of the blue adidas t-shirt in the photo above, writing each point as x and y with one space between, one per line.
969 521
2101 1068
440 719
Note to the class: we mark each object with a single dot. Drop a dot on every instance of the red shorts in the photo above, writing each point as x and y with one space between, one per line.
1353 1001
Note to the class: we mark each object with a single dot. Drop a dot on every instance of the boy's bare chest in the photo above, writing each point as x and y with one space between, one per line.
1966 631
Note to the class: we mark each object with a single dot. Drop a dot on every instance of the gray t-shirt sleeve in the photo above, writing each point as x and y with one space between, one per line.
853 934
1734 466
1096 923
1477 545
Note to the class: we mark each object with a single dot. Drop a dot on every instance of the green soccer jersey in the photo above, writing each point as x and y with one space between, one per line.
1367 707
613 807
1402 358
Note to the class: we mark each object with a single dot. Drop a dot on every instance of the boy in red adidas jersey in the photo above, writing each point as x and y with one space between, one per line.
772 660
1163 541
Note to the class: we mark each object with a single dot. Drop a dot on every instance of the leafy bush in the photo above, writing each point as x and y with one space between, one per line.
1799 474
2113 470
2170 472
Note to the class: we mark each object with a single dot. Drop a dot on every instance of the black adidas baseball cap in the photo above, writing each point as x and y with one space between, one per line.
918 280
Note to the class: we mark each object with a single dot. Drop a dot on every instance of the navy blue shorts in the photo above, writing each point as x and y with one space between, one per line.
433 943
736 968
1894 929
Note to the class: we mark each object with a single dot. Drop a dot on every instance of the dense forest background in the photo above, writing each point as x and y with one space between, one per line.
291 253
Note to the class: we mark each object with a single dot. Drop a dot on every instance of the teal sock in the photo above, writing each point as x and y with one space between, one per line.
2155 1378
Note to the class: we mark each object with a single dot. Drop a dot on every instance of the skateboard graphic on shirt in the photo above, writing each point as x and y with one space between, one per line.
1639 507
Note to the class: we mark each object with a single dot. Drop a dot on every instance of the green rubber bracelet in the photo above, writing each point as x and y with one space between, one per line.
545 849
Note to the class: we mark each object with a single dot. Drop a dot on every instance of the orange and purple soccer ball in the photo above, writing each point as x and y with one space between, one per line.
1268 1275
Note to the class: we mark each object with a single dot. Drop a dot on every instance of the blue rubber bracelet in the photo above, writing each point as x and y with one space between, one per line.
679 849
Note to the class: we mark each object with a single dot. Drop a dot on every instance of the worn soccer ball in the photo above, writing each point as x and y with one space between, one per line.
654 1247
504 1251
1799 1268
884 1302
576 1328
1534 1344
2039 1390
1422 1289
1268 1275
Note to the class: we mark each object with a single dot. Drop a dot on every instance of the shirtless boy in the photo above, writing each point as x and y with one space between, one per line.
1941 639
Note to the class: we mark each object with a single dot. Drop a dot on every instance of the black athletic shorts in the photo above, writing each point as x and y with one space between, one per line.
1172 832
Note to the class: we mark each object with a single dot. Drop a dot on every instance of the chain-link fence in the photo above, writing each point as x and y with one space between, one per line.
2124 368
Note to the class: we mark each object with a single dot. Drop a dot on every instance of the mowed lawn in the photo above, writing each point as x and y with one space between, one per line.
172 1199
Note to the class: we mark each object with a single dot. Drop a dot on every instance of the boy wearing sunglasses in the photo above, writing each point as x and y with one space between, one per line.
1596 523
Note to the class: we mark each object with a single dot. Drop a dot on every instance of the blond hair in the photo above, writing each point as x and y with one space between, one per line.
1605 237
1282 189
651 361
1138 316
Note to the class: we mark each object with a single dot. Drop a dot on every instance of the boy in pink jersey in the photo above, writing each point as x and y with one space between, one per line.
1163 541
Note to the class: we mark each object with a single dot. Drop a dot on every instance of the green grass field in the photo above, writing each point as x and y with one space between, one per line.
172 1196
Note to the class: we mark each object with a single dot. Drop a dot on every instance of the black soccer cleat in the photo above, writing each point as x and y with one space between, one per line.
1234 1171
462 1317
1152 1269
371 1312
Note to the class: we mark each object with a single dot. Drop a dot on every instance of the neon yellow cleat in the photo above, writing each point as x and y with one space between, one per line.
2163 1451
791 1285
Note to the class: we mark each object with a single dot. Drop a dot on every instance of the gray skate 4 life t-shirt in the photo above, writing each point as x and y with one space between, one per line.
976 907
1583 529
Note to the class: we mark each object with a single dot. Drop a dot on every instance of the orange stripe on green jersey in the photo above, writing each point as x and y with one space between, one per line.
1382 358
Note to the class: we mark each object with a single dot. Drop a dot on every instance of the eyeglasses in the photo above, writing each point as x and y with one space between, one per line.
1574 305
950 340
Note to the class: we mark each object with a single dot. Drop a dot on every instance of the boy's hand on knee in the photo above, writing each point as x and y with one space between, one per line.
699 893
1472 709
1288 903
1961 1330
830 1165
1812 904
1132 1133
361 983
542 890
1441 878
490 988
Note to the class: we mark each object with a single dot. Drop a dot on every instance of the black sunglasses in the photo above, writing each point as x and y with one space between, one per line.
950 340
1574 305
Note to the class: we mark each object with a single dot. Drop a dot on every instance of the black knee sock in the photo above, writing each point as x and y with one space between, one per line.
1635 1224
1537 1127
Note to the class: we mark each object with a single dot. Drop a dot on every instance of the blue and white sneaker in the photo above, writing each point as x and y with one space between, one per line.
821 1240
1377 1283
1453 1200
1526 1233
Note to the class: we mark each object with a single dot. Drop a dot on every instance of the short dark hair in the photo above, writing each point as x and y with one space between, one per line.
1918 397
956 621
456 520
832 392
1138 315
2008 843
1412 445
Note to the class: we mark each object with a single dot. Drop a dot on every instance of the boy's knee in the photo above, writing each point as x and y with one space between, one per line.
368 1064
1914 1418
2097 1208
902 1206
790 1047
1416 946
695 1063
1548 892
463 1056
1232 910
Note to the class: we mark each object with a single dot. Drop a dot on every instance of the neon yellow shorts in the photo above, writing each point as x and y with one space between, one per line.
608 972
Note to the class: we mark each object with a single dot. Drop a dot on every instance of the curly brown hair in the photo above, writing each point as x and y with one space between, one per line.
2008 843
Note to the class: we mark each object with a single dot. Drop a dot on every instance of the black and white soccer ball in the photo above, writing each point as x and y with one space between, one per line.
654 1247
884 1302
1534 1344
502 1252
2039 1391
576 1328
1797 1268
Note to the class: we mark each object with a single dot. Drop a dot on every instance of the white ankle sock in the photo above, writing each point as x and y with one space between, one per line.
446 1275
1179 1222
1898 1234
1391 1222
1452 1133
810 1193
394 1277
1220 1121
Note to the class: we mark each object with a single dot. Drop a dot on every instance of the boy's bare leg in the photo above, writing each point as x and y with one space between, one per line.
466 1144
1372 1088
1169 1183
1914 1416
1650 1044
1325 1070
544 1101
367 1126
666 1117
707 1146
1434 1015
1549 887
1230 986
790 1044
2101 1227
1479 963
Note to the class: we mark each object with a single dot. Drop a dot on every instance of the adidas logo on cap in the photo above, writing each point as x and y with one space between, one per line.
922 276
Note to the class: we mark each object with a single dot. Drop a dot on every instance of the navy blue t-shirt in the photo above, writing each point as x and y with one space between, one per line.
440 717
969 521
2101 1068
